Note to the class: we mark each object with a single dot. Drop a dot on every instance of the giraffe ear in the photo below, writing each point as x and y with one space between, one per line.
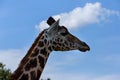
53 26
50 21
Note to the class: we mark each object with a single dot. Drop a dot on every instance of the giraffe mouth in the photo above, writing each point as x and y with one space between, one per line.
84 49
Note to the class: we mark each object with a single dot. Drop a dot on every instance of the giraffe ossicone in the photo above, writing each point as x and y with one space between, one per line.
54 38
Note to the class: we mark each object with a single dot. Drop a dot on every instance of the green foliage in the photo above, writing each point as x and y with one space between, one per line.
4 73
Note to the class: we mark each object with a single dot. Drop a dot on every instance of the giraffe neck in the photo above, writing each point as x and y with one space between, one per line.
33 63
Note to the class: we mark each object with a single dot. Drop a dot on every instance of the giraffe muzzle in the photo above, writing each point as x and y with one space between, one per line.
84 47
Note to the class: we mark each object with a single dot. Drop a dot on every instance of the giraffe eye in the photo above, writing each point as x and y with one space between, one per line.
63 34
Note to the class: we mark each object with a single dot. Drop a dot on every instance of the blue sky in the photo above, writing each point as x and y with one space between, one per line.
96 22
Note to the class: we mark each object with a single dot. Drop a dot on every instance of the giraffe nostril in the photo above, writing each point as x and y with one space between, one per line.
84 44
84 47
88 48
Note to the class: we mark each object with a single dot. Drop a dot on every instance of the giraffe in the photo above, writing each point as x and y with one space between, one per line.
54 38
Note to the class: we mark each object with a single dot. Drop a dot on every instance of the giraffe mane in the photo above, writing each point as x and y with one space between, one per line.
31 48
25 59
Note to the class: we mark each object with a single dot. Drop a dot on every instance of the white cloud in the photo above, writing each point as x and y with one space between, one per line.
56 73
78 76
58 65
68 76
11 58
108 77
81 16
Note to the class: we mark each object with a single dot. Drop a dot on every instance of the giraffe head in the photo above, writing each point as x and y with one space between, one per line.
61 39
56 38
